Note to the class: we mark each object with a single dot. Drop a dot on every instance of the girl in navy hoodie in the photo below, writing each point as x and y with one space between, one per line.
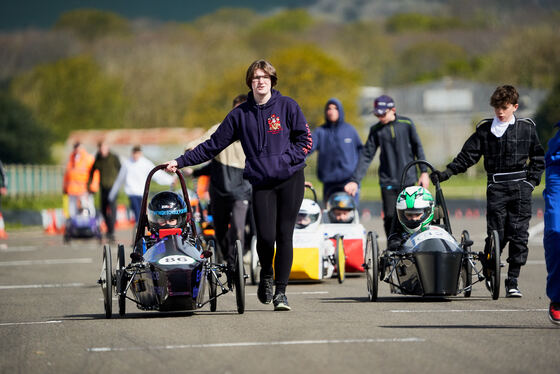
276 139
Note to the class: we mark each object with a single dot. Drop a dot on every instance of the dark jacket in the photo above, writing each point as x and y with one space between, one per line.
400 144
275 138
339 147
108 167
519 149
225 181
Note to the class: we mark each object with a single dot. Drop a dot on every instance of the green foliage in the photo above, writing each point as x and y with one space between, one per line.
411 22
548 115
429 60
71 94
311 77
23 140
529 57
91 24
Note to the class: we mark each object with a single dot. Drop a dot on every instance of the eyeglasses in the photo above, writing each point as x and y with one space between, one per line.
259 77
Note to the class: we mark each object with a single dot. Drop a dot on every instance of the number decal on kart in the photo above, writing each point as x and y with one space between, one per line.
176 260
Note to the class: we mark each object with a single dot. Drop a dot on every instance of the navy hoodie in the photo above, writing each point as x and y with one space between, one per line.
339 148
275 138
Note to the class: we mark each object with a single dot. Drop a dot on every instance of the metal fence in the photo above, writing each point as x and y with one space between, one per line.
33 180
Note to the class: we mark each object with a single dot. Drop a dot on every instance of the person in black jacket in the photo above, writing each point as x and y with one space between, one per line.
399 144
514 163
108 165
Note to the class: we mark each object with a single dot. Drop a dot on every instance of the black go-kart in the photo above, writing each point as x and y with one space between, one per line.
171 273
432 262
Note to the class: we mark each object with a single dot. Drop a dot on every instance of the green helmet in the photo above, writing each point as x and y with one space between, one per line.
415 208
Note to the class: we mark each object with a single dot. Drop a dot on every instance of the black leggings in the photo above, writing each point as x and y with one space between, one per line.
275 209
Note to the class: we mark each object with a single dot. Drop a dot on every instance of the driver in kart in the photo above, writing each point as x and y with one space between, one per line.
341 208
167 210
415 211
308 215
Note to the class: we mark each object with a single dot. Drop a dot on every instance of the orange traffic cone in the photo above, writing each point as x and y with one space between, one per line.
50 224
3 233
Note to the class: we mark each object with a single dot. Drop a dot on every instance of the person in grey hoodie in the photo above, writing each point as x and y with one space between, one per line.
339 146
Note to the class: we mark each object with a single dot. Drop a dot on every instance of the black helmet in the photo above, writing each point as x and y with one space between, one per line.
166 210
341 201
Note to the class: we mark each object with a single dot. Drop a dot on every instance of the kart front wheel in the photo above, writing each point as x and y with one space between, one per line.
106 281
466 266
340 259
239 278
255 266
493 261
212 282
371 266
121 280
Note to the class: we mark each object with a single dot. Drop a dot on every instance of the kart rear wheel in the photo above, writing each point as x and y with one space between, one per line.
466 266
106 281
493 260
212 283
255 265
340 259
239 278
121 280
372 266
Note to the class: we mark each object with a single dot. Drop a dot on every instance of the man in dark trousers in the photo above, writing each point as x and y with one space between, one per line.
399 144
514 163
108 165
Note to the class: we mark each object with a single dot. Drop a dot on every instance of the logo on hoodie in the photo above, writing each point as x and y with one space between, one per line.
274 125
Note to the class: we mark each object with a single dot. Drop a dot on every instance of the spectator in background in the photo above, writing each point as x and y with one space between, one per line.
3 183
399 144
339 146
133 175
551 239
230 192
76 183
107 164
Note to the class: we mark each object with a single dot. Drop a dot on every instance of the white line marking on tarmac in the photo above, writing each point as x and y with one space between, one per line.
299 293
18 249
28 323
53 285
465 310
48 262
256 344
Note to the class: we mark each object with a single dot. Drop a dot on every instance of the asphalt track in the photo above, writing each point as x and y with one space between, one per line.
52 321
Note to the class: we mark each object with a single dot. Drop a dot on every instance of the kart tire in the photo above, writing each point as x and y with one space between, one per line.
239 278
212 282
494 264
121 280
466 266
107 281
255 265
372 266
340 259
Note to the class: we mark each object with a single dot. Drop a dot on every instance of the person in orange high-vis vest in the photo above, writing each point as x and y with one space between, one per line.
75 184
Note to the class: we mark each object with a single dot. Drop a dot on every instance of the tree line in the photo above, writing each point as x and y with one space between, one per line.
95 69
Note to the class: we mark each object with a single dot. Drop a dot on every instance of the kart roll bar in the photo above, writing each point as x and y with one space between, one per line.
143 219
440 200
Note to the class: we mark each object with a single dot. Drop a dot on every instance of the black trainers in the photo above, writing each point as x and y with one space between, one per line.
281 302
554 313
512 290
264 292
